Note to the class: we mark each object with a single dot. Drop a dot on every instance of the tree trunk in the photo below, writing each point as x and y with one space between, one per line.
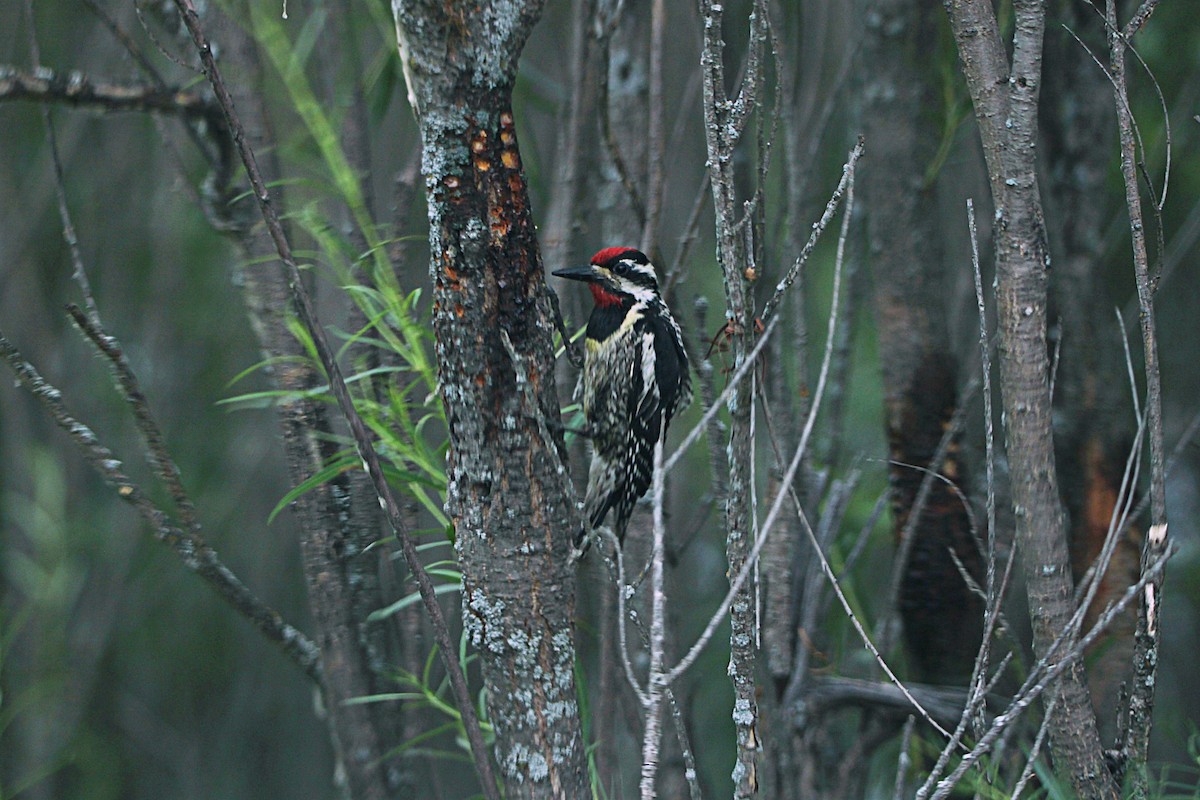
508 489
941 616
1005 103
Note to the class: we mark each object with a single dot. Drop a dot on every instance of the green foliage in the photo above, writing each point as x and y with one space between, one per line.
47 574
430 692
1179 781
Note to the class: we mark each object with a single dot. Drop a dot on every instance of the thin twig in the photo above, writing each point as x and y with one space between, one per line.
994 593
1139 18
617 573
156 448
126 41
189 545
76 88
1038 680
818 228
698 430
678 270
366 450
163 51
64 211
960 730
623 593
788 478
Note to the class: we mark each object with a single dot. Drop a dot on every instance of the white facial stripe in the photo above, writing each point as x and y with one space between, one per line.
640 293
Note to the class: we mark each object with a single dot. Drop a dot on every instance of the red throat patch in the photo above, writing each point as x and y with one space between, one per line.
610 254
602 296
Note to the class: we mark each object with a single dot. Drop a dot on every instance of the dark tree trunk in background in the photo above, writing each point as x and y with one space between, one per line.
1005 101
1092 392
342 581
903 113
508 489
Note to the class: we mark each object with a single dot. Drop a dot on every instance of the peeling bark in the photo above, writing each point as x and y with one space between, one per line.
509 493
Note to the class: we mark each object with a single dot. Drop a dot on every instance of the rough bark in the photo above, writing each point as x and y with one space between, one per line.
1005 101
725 120
941 617
508 490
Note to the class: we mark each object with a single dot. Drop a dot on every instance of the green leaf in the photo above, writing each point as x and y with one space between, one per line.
408 600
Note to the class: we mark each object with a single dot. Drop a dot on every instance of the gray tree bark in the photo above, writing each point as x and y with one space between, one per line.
725 121
1005 100
509 493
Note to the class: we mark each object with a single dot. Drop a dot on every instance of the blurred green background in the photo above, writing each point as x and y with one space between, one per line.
122 674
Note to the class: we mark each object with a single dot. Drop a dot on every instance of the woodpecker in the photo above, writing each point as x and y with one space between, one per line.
635 377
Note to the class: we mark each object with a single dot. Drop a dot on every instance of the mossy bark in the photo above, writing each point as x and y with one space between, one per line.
509 491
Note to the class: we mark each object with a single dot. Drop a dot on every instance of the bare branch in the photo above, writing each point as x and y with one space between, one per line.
698 429
78 89
1042 676
818 228
156 448
189 545
1006 103
64 211
656 682
1139 18
1140 704
1031 760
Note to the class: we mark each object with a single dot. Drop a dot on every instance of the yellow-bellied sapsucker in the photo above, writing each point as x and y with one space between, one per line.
635 377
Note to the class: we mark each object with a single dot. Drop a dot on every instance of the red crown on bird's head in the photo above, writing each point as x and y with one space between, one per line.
610 254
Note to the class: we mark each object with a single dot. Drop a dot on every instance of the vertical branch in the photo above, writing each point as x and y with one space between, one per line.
723 123
1089 395
1141 695
1005 102
656 682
